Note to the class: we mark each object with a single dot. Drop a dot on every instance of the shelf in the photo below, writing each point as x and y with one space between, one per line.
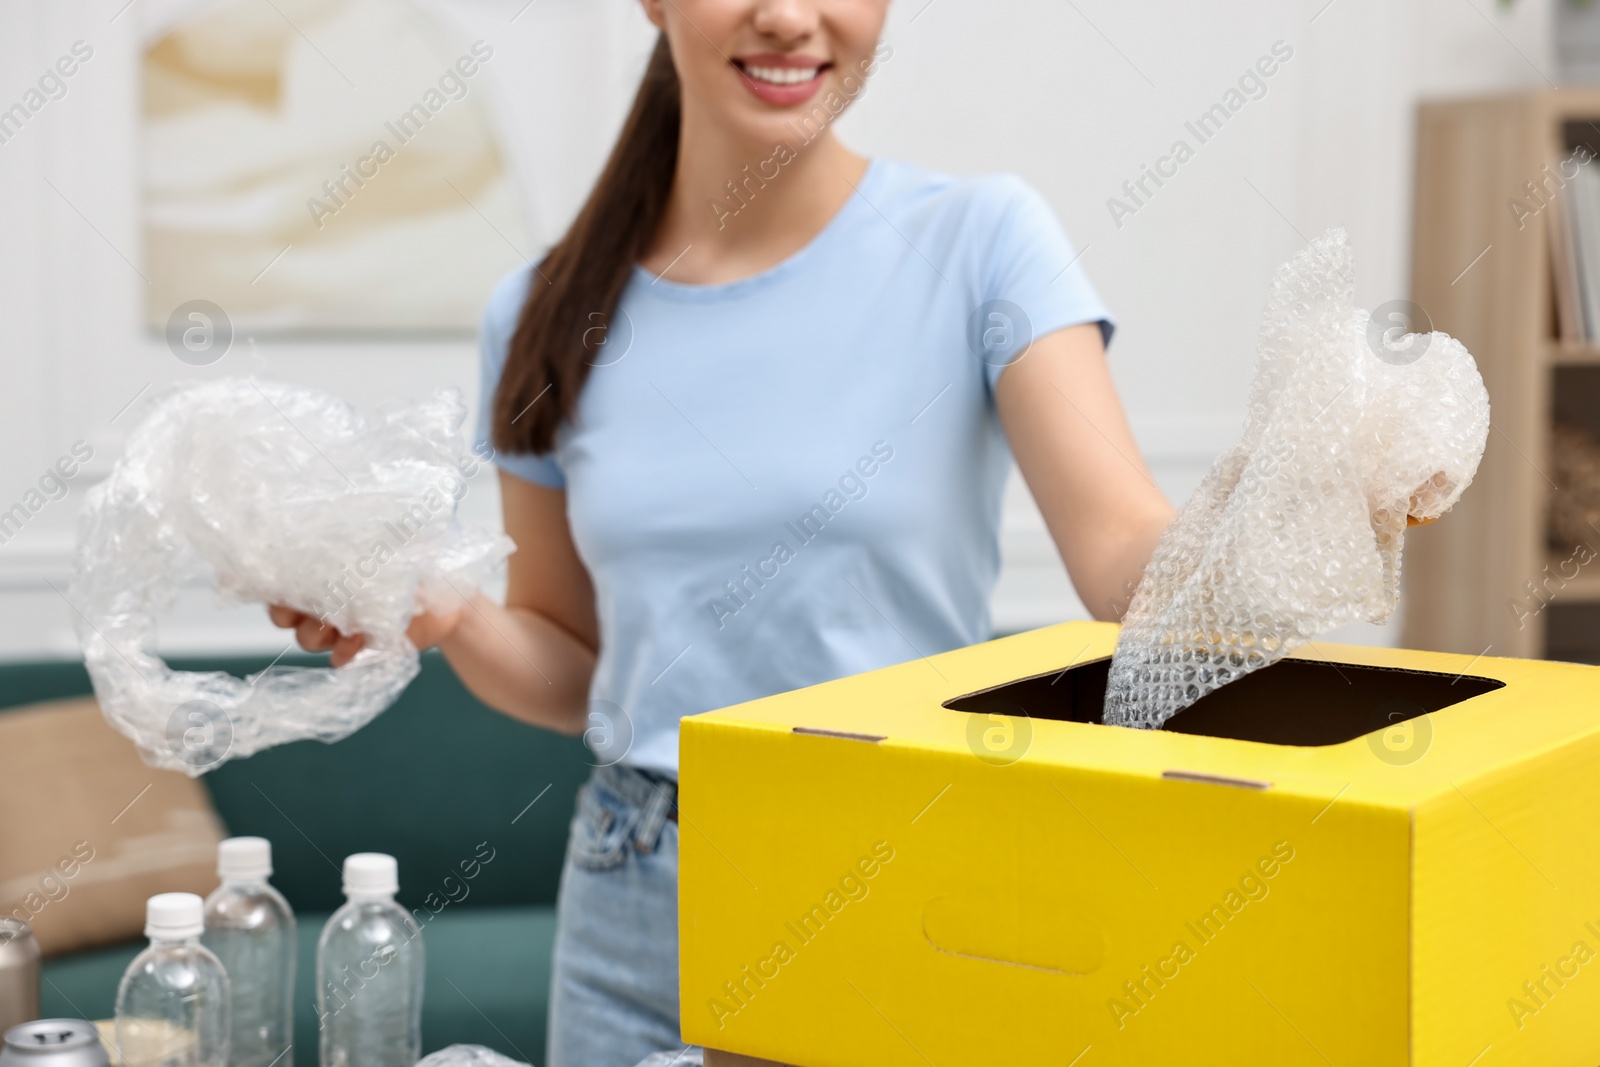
1462 574
1584 587
1572 354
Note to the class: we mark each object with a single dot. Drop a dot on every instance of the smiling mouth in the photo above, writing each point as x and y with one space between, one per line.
781 75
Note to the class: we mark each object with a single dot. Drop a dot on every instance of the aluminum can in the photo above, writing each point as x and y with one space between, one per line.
53 1043
19 974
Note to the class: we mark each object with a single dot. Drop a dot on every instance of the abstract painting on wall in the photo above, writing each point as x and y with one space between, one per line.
324 167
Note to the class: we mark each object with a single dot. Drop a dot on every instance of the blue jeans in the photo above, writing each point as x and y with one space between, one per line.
614 987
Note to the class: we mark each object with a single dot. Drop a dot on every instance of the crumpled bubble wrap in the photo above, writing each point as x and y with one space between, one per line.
684 1057
273 494
1299 527
468 1056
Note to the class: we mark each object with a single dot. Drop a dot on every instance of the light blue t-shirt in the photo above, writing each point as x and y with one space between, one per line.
797 476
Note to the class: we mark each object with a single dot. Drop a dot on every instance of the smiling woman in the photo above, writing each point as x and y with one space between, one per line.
828 314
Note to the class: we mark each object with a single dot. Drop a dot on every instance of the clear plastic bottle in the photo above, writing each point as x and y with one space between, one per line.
369 972
172 1004
251 930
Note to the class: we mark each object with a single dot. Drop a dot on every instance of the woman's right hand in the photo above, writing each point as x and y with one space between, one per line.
427 629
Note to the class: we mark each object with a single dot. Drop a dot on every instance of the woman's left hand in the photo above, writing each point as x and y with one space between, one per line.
427 629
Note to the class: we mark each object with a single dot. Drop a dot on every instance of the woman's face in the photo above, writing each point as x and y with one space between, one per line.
767 69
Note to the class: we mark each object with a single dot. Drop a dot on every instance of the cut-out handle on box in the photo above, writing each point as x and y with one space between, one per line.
1032 930
1215 779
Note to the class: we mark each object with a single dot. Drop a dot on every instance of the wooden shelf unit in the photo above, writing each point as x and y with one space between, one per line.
1563 354
1464 576
1584 588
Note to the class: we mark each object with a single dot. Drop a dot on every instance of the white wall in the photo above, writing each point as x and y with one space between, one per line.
1074 97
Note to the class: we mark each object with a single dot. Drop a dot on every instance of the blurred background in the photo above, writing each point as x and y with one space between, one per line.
192 189
176 163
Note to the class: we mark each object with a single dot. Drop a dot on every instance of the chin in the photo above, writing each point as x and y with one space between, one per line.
793 123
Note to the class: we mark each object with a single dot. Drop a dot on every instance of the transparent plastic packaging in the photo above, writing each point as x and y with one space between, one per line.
687 1057
370 972
1299 528
251 930
272 493
172 1004
473 1056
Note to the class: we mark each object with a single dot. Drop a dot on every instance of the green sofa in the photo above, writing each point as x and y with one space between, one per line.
436 780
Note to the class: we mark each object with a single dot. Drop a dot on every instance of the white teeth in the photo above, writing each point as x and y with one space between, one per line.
782 75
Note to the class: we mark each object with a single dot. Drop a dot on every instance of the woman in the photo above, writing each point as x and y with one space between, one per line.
752 418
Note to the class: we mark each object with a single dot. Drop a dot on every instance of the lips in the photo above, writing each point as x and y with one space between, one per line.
782 79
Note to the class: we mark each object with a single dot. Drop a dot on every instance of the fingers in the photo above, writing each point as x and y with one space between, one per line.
313 635
428 628
345 648
316 636
283 616
1426 495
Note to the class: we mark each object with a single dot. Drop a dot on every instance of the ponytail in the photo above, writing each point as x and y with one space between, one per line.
581 279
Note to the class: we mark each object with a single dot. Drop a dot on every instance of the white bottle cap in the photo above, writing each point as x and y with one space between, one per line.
174 917
244 859
371 874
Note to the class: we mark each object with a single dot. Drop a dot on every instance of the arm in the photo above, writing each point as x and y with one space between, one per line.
1078 457
532 658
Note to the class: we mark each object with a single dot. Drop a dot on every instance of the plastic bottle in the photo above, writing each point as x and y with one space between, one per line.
172 1004
369 972
251 930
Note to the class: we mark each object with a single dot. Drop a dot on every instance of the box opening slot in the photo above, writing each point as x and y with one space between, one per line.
1293 702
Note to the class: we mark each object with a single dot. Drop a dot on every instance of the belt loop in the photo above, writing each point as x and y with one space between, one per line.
655 813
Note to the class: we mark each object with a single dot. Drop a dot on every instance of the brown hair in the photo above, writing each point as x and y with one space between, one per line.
580 280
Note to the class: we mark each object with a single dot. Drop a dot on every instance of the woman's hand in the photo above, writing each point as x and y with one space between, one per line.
426 630
532 657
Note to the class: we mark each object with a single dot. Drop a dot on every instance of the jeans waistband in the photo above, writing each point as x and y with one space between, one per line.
653 792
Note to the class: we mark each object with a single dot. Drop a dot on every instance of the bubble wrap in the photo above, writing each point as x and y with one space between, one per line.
1299 527
468 1056
272 494
684 1057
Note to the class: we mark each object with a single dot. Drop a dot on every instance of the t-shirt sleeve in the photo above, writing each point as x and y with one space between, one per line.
494 341
1035 283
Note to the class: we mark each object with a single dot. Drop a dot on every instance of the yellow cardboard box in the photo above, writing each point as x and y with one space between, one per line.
872 875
